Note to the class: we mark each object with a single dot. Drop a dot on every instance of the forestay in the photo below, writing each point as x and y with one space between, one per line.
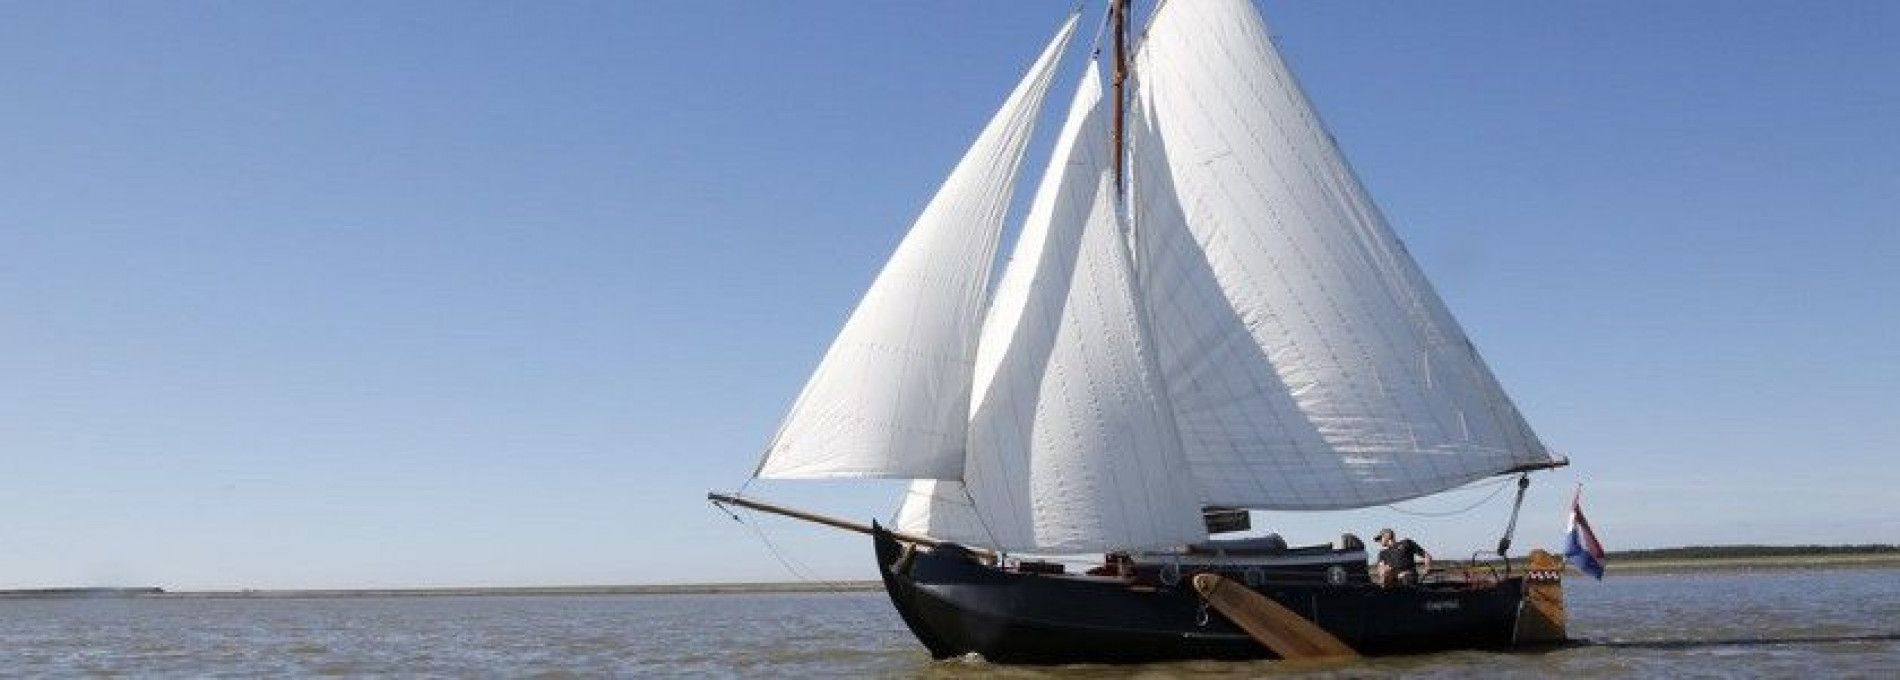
1072 445
891 396
1308 362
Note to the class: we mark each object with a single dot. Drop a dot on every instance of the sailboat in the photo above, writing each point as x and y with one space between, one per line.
1204 314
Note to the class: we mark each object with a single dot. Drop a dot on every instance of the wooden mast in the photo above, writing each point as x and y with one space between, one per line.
1118 14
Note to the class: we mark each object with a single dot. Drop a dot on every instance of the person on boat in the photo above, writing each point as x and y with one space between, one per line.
1397 563
1118 564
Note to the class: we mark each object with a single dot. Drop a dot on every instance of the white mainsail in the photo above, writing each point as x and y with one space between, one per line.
1259 338
891 396
1072 446
1309 363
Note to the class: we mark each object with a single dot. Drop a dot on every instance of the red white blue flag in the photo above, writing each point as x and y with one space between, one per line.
1580 544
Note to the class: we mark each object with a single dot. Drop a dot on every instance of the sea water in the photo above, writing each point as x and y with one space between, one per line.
1798 623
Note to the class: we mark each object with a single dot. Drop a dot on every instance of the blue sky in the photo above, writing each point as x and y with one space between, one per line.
320 295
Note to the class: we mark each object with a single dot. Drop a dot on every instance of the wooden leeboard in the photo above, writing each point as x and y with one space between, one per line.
1288 634
1540 619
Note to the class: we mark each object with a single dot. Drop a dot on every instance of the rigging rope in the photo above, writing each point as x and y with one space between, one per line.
1095 45
980 521
1499 486
791 564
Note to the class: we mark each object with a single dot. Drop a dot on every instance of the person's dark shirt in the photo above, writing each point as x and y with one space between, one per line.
1399 556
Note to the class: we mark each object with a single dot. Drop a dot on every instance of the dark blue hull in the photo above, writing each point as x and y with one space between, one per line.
956 604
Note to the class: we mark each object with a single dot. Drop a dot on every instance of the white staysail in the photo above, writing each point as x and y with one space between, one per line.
891 396
1308 362
941 509
1072 445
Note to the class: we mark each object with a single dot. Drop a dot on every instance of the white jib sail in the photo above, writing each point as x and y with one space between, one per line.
1071 446
1309 363
891 396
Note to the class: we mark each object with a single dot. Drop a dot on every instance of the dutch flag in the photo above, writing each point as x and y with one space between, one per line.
1580 545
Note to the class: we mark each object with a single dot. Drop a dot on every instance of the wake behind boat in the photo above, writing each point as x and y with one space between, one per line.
1204 314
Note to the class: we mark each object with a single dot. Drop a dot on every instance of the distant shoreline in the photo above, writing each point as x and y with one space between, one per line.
451 591
1650 564
1888 560
543 591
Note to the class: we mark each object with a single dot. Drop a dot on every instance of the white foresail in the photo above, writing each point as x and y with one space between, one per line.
1308 362
891 396
1071 445
940 509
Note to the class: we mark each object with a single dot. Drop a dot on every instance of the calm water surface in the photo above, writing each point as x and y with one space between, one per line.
1811 623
